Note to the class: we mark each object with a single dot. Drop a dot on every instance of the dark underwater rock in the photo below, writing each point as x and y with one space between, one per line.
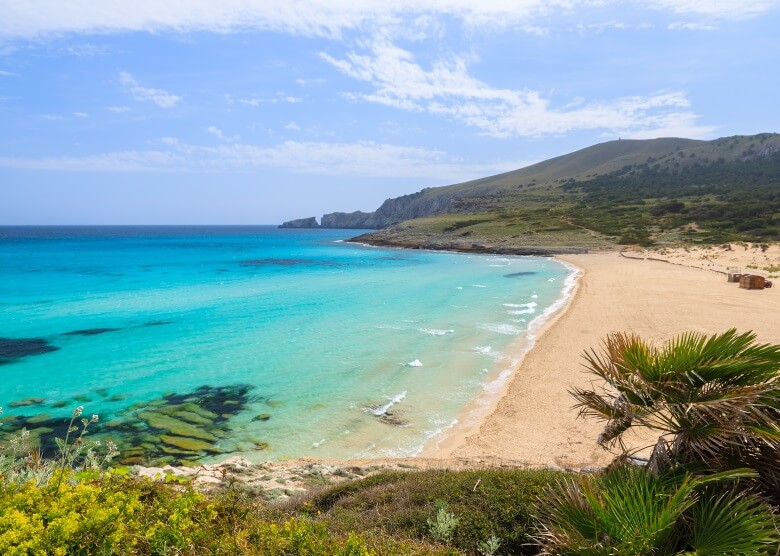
26 402
91 331
12 349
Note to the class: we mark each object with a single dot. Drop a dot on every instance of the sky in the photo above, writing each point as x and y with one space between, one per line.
258 111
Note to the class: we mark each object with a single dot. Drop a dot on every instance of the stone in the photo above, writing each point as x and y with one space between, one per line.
263 417
26 402
190 408
175 451
40 418
175 426
192 417
189 444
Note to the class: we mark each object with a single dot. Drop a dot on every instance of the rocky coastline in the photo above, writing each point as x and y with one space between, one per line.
380 239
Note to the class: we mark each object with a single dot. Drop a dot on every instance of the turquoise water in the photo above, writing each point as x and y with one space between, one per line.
353 351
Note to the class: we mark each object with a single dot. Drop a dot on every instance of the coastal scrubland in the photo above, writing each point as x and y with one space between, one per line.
651 193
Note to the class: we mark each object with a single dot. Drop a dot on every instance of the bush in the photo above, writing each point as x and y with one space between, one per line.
116 515
500 502
628 510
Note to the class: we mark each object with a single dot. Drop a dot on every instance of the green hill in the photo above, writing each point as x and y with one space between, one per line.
645 192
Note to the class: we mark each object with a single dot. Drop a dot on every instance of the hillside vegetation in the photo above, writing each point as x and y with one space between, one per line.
659 191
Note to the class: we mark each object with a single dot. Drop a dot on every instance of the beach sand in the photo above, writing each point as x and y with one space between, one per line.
533 423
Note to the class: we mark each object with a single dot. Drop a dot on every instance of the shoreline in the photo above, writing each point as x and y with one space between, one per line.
530 422
470 418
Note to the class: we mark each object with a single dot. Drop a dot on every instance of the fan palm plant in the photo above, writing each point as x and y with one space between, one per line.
714 401
630 511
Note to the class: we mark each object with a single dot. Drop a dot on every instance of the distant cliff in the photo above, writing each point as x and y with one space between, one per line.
391 212
357 220
301 223
619 192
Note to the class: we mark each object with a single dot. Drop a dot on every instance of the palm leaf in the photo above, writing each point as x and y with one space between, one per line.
731 523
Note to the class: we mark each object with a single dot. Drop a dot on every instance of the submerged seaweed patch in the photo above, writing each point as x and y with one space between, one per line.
157 322
174 429
91 331
518 274
288 262
12 349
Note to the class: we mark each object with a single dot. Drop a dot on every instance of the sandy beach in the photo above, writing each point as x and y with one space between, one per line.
533 423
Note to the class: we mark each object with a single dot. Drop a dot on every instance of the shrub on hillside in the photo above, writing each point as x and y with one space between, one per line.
486 503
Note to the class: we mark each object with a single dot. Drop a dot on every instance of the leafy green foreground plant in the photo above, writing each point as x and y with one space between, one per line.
715 401
630 511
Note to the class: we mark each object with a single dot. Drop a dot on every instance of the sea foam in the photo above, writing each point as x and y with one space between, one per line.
382 409
435 331
501 328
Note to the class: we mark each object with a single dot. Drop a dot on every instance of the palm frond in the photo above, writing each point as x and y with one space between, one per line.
731 523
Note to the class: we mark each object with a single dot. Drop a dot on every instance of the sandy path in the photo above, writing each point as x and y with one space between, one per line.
533 422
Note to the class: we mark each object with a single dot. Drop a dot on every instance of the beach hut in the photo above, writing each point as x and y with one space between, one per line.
734 274
752 282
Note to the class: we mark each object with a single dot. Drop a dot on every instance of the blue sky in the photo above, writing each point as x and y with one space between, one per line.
252 112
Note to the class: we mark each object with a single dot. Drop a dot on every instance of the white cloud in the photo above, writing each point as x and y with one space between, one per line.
161 98
364 159
721 9
81 114
216 132
8 73
85 50
119 109
447 89
310 82
279 98
408 18
51 117
682 26
125 161
292 126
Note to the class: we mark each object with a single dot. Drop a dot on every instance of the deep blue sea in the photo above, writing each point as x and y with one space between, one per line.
345 350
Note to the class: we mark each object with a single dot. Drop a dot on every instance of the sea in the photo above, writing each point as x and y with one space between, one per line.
339 350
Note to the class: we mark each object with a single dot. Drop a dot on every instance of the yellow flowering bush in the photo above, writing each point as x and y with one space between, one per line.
117 515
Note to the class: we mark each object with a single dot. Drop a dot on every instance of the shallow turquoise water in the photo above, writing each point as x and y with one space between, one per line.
336 335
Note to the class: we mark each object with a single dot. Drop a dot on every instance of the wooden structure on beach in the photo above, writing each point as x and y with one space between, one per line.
752 282
734 274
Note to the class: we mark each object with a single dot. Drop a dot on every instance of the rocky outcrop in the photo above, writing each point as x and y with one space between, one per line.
357 220
392 211
463 245
301 223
